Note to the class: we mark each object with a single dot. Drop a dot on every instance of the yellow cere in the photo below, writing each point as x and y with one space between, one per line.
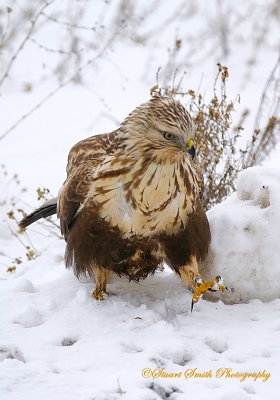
190 143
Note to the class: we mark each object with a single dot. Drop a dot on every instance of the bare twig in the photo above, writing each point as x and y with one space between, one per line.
267 122
57 89
6 29
56 51
19 239
69 24
24 41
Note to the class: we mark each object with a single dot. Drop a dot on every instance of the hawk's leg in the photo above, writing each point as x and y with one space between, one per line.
189 274
101 280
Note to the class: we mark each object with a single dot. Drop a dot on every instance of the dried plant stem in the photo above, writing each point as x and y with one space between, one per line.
19 239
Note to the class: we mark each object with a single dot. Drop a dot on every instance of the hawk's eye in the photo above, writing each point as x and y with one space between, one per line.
168 135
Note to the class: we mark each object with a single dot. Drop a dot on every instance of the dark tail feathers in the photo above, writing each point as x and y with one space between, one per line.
47 209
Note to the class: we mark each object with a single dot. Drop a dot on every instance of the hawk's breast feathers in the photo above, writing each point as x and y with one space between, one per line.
139 196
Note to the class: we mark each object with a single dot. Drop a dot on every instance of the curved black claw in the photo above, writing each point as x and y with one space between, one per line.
192 306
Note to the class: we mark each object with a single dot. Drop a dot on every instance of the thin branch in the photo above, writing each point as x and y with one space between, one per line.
264 95
69 24
56 90
19 239
6 29
23 43
56 51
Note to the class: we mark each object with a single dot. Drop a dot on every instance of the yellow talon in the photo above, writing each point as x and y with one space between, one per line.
201 287
97 295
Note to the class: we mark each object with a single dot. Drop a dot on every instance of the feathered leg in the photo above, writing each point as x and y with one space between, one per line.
189 273
101 280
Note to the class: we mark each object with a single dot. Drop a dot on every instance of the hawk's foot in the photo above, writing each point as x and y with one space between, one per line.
201 287
97 295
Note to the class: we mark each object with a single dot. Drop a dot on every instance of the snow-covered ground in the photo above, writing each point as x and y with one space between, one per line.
57 343
142 342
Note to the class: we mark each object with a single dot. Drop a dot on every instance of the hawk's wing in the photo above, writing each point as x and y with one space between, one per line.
83 160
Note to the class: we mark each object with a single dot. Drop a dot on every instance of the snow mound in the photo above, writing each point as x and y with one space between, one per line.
29 318
24 285
245 237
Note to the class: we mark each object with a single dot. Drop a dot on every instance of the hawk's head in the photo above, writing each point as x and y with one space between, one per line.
161 125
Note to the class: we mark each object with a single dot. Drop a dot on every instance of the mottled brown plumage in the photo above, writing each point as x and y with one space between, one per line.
131 200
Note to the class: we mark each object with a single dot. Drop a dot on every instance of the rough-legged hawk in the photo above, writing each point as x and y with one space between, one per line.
131 200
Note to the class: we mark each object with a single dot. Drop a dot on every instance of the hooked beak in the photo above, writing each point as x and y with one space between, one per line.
190 148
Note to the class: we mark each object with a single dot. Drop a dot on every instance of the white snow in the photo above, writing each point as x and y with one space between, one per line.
245 237
56 342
